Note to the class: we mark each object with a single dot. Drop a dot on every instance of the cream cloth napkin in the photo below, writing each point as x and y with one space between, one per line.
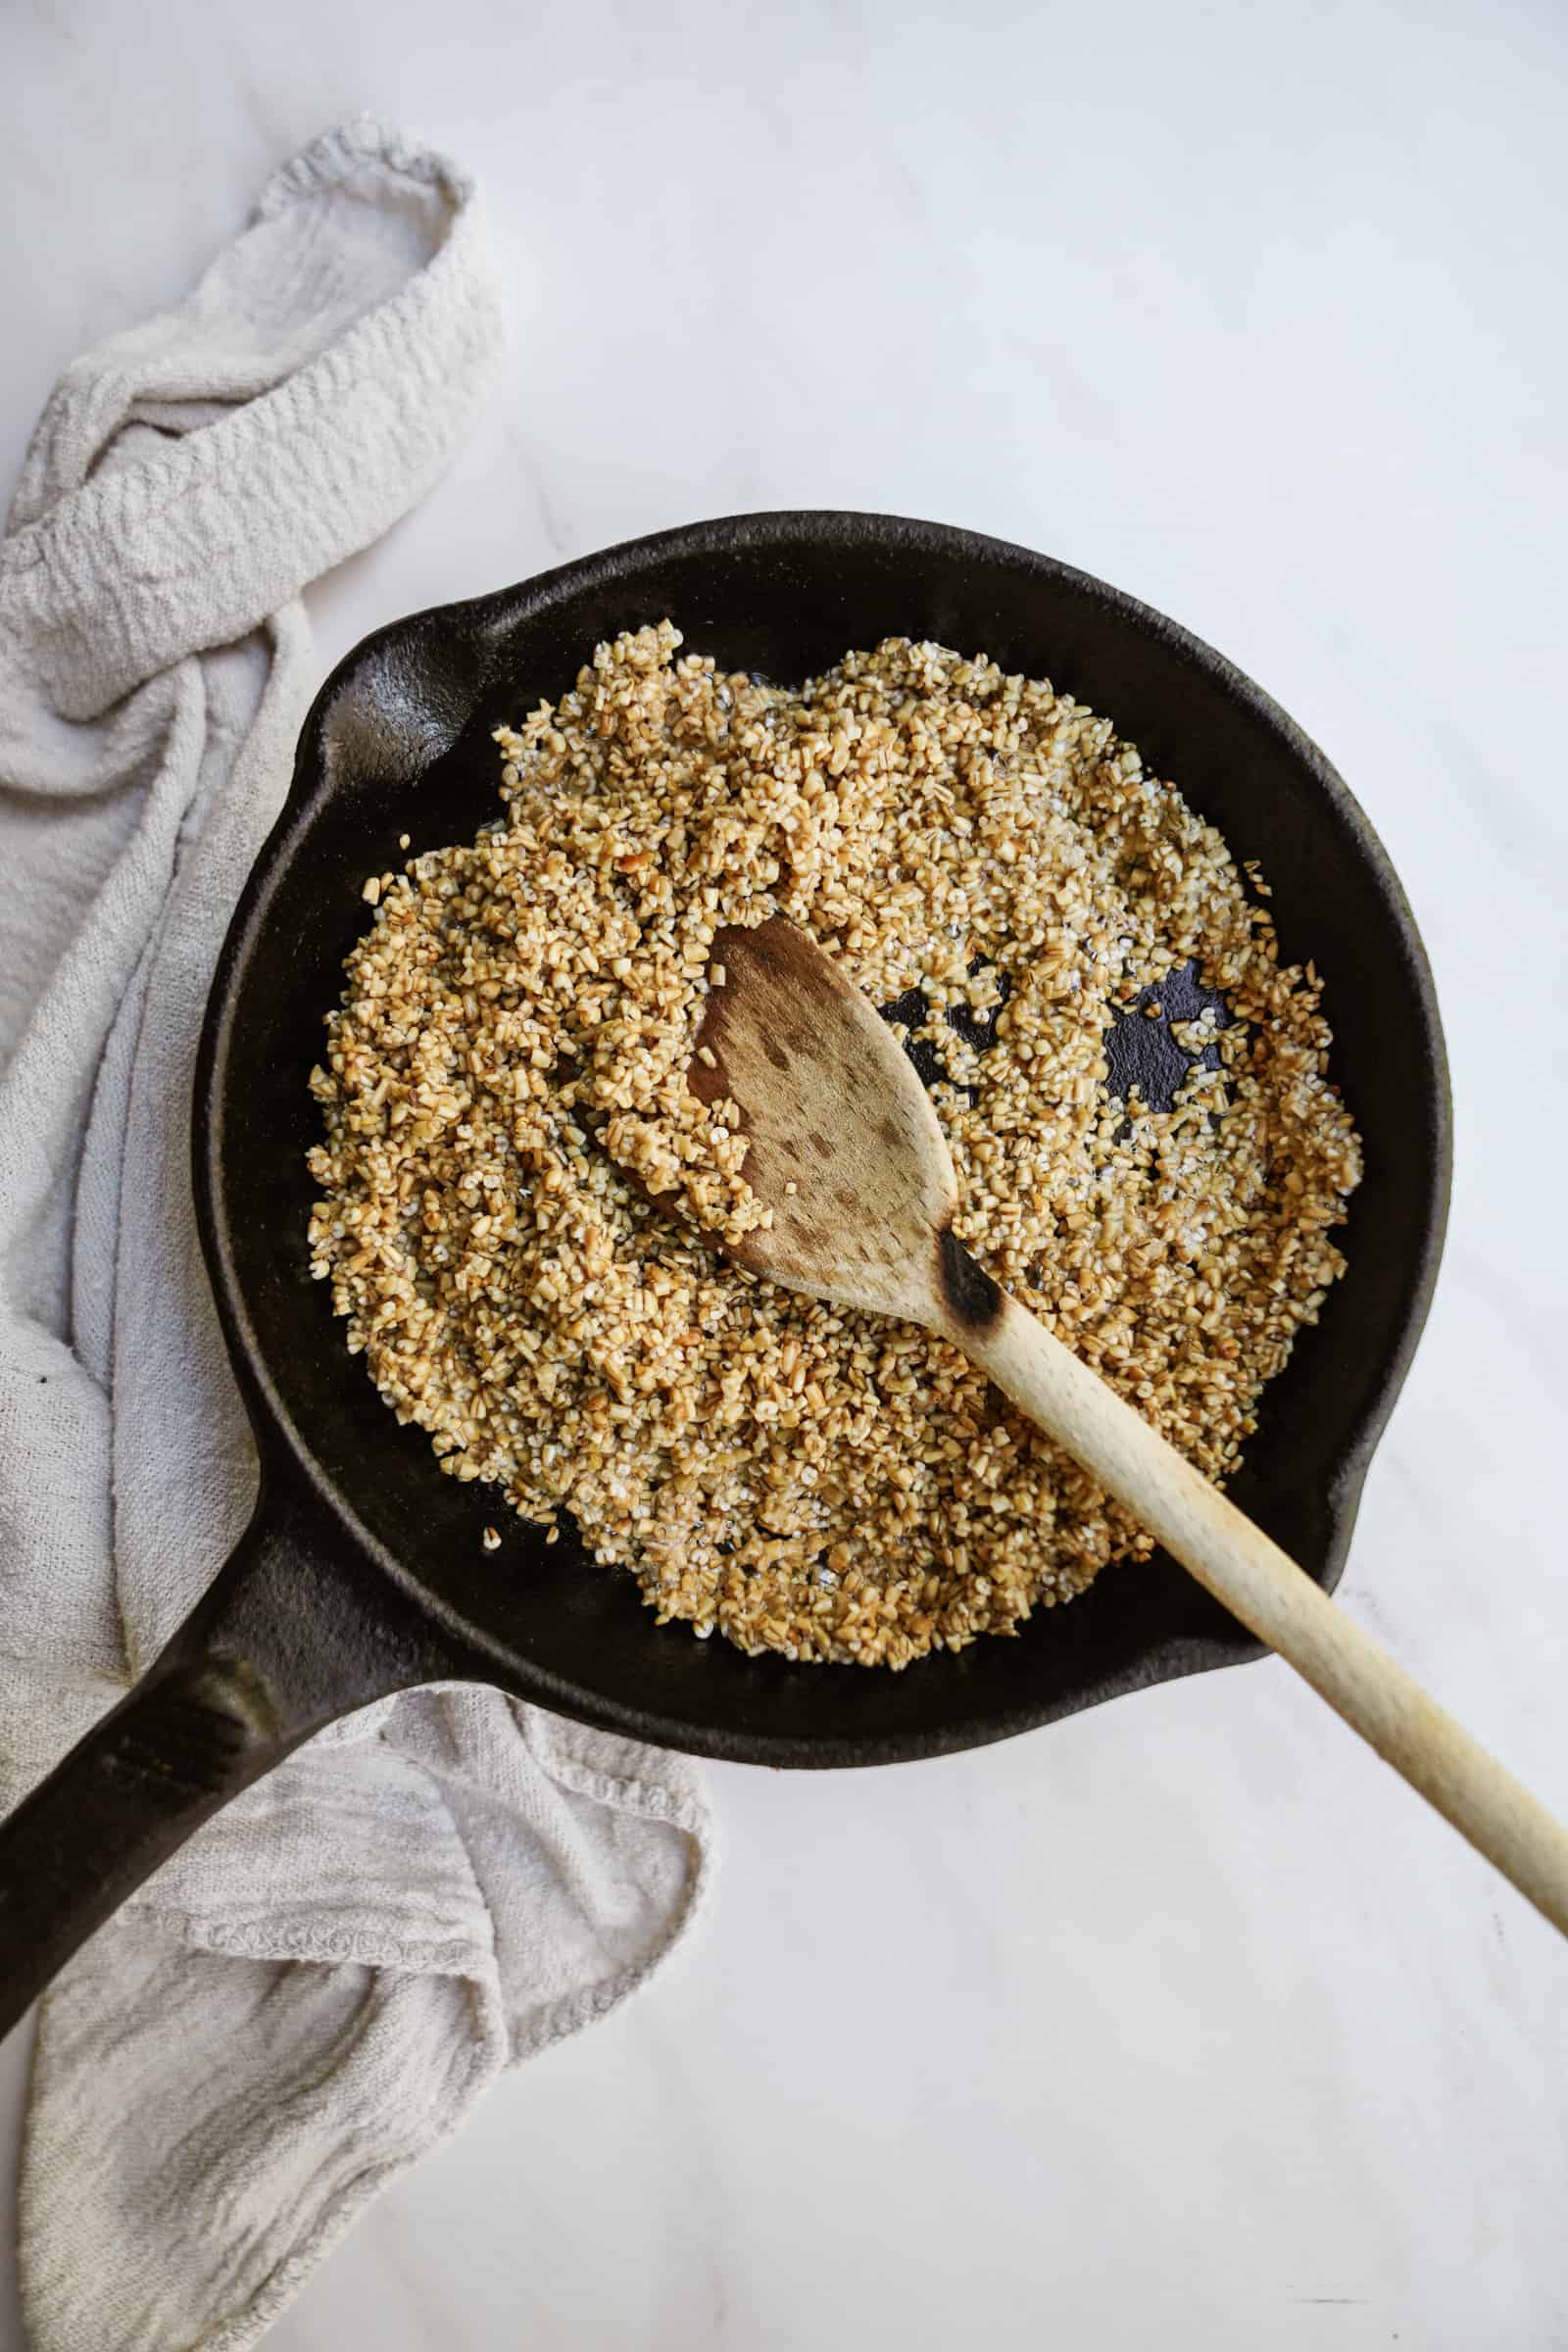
317 1989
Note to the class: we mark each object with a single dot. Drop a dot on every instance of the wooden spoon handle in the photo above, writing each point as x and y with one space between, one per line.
1262 1585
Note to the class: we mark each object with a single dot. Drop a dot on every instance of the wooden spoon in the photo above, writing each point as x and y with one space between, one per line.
845 1150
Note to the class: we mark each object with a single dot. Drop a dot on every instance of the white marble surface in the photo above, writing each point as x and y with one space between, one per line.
1181 2022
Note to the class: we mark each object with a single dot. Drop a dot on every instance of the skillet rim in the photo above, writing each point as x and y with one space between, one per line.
484 623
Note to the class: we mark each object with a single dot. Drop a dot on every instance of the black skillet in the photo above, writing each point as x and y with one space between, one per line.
363 1572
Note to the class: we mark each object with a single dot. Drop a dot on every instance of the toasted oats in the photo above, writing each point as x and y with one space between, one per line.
506 1072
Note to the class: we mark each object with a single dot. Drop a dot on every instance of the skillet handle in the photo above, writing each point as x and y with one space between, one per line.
290 1636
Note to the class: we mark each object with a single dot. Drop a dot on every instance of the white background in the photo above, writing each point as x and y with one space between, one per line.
1181 2022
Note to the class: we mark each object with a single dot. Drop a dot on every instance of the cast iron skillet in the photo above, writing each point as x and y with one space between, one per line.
363 1571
